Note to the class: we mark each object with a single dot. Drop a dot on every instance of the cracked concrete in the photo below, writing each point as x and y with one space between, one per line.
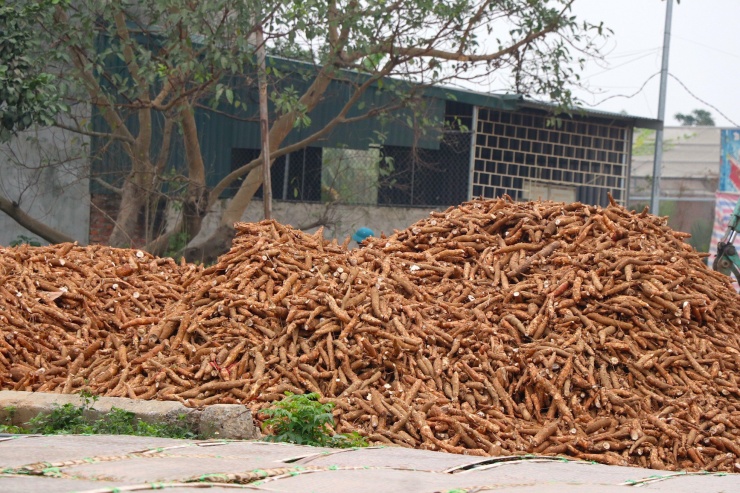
107 464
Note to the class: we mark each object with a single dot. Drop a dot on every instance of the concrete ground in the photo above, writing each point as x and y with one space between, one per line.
113 464
117 464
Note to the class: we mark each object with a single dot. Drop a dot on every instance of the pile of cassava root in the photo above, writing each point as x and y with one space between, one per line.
491 328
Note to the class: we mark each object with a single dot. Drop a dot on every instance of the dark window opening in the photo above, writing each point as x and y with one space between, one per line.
295 177
423 177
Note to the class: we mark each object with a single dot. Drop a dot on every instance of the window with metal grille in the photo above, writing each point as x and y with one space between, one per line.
426 177
295 176
516 150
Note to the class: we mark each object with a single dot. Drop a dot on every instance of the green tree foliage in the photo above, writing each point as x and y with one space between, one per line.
146 66
643 143
28 95
695 118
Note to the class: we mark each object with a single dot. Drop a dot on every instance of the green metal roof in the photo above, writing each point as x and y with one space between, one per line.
506 102
635 121
514 102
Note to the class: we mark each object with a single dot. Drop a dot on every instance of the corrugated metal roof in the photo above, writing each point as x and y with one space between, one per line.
635 121
497 101
508 102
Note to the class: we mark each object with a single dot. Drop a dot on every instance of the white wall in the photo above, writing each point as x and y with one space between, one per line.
342 220
45 171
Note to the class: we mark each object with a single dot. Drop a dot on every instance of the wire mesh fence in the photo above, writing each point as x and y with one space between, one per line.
378 175
529 156
518 155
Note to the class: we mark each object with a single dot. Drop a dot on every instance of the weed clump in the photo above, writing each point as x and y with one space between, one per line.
304 420
73 419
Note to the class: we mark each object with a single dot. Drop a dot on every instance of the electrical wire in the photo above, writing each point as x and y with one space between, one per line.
626 96
642 87
709 47
632 53
618 66
702 101
640 57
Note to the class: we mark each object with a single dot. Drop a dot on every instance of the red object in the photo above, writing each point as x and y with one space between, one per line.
735 173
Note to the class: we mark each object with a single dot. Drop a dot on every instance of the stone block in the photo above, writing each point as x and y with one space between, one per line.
228 421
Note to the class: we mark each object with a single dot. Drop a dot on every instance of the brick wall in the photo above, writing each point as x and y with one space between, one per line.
103 211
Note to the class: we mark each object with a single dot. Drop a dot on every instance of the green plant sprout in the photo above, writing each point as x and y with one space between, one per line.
303 420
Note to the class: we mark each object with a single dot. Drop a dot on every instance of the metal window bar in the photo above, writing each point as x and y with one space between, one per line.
588 156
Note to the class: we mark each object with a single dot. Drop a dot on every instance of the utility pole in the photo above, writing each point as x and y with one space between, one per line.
658 159
264 124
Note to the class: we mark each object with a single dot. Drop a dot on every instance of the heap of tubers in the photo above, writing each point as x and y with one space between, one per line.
491 328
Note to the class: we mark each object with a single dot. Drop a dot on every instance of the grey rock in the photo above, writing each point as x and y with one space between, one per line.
228 421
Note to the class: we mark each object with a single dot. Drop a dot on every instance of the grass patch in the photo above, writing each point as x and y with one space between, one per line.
72 419
7 426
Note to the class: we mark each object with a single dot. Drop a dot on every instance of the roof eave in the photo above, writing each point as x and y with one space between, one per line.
635 121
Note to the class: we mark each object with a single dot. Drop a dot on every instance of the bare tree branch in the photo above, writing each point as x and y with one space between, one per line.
340 118
107 185
35 226
90 133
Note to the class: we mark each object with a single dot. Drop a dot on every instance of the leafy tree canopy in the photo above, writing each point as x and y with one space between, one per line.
28 95
697 118
163 59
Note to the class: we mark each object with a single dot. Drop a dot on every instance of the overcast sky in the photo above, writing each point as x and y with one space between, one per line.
704 56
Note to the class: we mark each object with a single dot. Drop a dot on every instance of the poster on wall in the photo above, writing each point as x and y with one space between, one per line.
728 188
723 208
729 168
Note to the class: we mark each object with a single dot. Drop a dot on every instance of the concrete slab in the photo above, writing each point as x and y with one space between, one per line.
36 484
59 448
554 488
422 460
264 453
33 484
159 468
364 481
400 481
98 464
170 488
555 470
177 488
692 483
580 472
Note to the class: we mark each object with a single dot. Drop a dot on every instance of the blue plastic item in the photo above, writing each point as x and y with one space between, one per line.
362 233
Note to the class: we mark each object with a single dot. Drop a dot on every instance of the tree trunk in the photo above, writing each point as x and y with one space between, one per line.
194 210
133 200
33 225
195 205
218 243
242 198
